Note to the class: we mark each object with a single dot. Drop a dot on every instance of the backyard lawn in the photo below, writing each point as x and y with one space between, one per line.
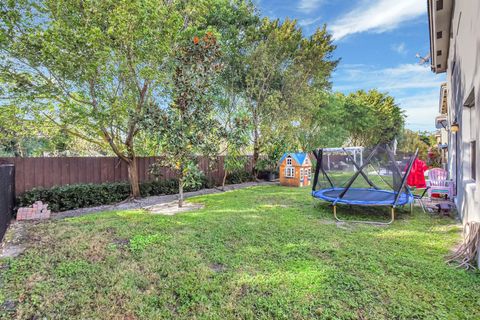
257 253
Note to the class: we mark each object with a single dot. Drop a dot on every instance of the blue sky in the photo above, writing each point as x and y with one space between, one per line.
377 41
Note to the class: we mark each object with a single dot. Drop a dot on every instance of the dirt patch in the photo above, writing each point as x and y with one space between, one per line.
172 208
121 242
9 306
217 267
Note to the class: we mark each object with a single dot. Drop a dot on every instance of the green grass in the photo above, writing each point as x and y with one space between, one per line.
258 253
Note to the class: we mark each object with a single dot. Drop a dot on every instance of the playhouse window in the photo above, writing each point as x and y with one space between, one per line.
290 172
289 161
301 174
309 173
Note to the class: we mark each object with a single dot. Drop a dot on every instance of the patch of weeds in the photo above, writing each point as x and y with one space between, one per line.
118 243
139 242
73 268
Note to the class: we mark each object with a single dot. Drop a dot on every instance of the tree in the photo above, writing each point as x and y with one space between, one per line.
15 130
235 140
282 67
273 151
410 140
91 67
373 117
233 23
188 127
21 135
322 124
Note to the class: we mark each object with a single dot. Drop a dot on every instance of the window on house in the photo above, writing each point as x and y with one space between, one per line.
309 173
439 5
301 174
289 161
289 172
473 160
469 111
470 101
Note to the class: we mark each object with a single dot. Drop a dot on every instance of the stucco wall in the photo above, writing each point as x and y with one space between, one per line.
463 77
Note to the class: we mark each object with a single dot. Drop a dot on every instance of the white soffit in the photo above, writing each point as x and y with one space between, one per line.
440 17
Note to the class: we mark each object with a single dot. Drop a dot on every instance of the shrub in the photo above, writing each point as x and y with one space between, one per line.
239 177
76 196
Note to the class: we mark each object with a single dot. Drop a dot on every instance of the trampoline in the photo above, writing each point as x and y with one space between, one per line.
363 196
392 194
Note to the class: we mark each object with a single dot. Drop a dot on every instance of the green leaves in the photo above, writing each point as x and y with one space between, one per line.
410 140
284 75
76 196
373 117
188 126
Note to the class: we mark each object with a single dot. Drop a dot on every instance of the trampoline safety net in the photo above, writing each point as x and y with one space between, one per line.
368 176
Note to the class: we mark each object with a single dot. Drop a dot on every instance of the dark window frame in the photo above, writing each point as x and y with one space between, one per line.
473 159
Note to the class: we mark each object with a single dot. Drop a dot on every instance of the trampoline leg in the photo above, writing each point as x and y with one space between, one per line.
423 205
392 218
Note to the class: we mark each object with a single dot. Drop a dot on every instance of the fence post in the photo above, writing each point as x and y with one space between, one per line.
7 196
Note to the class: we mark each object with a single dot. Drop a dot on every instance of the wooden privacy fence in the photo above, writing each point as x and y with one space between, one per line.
47 172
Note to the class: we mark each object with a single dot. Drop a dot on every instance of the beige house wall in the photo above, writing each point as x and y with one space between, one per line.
463 83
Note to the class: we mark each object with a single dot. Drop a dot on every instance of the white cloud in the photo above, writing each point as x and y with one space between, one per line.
404 76
400 48
421 109
309 5
414 87
377 16
308 21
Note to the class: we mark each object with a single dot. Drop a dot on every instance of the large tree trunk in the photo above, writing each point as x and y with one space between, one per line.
17 149
224 179
133 178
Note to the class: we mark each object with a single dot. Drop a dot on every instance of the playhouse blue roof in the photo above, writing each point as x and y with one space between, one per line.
299 157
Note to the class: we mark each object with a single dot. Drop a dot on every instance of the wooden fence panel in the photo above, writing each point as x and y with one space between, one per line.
29 174
57 171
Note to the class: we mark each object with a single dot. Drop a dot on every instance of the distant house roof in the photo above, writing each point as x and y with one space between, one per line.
299 157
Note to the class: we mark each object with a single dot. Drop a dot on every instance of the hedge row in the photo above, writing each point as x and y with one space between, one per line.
76 196
239 177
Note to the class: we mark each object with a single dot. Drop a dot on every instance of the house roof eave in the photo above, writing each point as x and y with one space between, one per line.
439 21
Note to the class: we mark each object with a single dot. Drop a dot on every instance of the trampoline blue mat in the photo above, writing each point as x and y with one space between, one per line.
363 196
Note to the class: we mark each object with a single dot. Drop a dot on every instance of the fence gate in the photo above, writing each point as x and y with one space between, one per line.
7 196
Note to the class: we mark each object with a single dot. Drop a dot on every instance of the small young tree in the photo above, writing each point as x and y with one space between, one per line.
188 128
